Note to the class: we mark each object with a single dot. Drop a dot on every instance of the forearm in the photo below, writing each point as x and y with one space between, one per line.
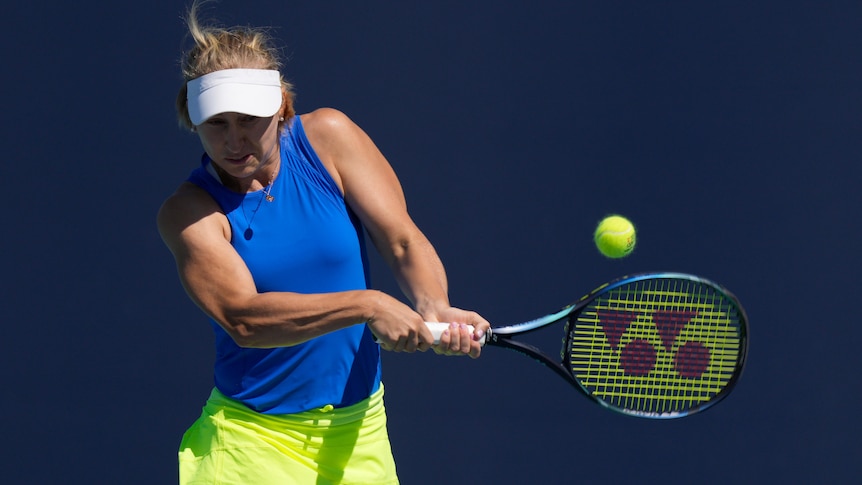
420 275
275 319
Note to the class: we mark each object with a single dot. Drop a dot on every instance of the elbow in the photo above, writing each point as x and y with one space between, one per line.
242 331
241 334
248 334
244 336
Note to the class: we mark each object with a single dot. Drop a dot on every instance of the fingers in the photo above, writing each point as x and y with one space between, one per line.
458 339
480 325
406 339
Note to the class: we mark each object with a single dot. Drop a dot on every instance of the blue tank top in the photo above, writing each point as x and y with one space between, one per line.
306 240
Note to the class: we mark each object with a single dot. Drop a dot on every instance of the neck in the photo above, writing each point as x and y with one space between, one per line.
260 180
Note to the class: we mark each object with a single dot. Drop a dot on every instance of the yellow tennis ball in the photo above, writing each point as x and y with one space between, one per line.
615 236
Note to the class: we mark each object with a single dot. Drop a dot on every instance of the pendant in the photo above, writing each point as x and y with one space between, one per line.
248 234
269 198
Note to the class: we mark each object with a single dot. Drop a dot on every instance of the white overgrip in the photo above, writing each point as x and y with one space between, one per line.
437 329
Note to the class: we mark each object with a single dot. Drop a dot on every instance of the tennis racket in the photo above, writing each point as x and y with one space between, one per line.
657 345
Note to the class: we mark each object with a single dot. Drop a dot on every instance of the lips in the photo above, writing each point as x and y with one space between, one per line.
238 161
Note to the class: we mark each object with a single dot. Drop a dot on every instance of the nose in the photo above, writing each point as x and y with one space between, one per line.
234 137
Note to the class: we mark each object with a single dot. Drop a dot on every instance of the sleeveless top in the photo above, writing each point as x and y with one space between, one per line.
306 240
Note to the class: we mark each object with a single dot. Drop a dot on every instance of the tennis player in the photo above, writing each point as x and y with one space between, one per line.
267 234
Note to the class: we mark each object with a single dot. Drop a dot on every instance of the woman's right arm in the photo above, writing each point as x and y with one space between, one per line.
218 281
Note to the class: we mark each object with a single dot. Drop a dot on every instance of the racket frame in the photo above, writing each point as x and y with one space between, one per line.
502 337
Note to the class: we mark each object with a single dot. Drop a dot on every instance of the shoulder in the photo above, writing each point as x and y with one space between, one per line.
330 128
336 139
189 206
324 119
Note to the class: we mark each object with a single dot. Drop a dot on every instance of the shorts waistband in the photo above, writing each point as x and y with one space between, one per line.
326 415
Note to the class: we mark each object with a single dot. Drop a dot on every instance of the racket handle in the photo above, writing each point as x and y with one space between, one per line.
437 329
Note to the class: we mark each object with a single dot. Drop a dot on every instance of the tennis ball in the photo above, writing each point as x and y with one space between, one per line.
615 236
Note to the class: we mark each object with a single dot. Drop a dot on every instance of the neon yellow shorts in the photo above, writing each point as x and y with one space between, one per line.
231 444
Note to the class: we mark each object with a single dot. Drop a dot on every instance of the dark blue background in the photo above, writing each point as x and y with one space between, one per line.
729 132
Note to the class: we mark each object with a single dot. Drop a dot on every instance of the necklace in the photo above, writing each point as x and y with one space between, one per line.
269 197
249 232
266 191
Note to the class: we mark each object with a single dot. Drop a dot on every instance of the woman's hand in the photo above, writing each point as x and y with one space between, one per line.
397 328
458 339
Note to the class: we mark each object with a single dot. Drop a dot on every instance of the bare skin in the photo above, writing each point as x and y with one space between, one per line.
244 150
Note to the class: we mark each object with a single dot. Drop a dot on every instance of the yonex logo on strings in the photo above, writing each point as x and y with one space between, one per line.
639 357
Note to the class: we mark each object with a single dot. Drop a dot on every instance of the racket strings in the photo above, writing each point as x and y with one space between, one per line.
657 346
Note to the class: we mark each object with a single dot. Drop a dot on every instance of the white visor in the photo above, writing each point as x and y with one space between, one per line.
255 92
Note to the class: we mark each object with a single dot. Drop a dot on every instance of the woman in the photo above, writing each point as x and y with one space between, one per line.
267 235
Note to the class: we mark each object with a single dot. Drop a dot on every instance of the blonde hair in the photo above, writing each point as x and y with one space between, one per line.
216 48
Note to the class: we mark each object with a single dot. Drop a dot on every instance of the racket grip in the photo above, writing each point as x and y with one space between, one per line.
437 329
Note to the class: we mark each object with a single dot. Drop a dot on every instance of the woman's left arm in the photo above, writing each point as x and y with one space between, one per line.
372 190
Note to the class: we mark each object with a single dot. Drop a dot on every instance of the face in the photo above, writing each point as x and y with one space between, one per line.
243 146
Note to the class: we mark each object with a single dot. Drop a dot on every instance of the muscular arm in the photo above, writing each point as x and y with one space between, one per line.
372 189
218 281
